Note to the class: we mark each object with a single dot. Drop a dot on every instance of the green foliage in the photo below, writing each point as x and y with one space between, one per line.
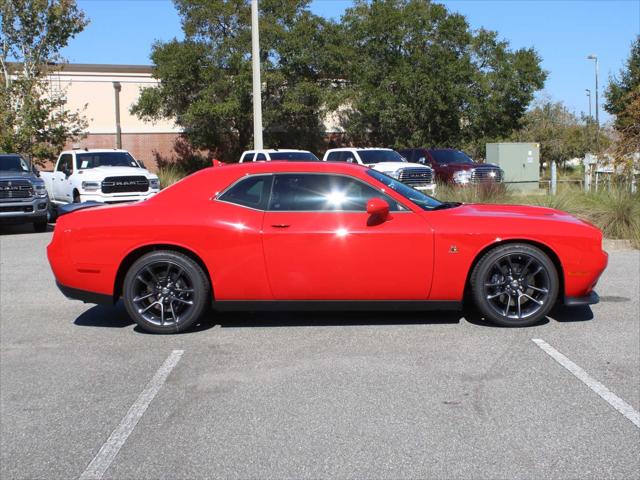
620 88
33 120
205 80
560 134
418 75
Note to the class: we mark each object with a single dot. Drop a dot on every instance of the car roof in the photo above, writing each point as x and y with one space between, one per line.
278 166
275 150
349 149
94 150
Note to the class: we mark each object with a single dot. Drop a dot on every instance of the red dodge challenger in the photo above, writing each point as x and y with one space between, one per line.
320 235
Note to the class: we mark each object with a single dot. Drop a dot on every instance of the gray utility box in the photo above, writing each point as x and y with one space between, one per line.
520 162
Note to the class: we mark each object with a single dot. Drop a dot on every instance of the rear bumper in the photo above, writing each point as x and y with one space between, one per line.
84 295
590 299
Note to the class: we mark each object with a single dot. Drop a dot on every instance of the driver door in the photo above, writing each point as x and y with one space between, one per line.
62 190
320 243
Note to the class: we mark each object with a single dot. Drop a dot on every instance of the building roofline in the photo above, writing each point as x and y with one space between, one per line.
92 67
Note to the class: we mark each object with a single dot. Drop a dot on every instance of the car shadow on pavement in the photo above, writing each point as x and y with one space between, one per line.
105 316
22 229
560 313
333 318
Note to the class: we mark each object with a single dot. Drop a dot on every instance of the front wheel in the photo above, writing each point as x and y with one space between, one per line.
166 292
515 285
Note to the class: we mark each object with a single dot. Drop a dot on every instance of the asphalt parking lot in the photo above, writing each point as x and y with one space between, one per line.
299 395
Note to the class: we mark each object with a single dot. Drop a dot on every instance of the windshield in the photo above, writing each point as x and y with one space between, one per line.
379 156
294 156
13 163
424 201
105 159
450 156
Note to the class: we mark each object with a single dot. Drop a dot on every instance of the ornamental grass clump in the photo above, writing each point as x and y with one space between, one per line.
170 174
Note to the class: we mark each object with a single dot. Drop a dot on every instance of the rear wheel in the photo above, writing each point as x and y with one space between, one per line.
165 292
515 285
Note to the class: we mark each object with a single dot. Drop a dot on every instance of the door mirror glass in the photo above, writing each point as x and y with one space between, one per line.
377 207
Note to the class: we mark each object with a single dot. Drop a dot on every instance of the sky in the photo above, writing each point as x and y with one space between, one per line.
563 32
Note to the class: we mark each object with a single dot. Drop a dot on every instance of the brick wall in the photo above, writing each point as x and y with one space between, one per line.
141 145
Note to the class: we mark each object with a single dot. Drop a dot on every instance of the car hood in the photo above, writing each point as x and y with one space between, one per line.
393 166
11 175
101 172
496 211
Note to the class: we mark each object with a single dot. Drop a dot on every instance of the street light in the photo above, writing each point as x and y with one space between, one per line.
255 64
589 95
594 57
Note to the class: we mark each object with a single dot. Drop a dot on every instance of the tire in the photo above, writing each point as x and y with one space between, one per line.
52 213
515 285
76 197
166 292
40 226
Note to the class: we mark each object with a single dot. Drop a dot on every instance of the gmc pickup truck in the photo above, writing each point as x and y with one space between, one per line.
106 176
23 196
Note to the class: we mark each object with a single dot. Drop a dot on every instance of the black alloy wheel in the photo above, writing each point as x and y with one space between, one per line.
515 285
166 292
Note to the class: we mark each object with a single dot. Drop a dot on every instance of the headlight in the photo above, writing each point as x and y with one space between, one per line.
154 184
395 174
90 185
462 176
40 190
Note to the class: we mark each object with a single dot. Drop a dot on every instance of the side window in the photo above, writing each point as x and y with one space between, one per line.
250 192
247 157
349 157
410 155
261 157
334 157
313 192
64 165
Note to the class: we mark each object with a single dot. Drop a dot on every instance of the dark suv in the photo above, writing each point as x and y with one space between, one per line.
454 166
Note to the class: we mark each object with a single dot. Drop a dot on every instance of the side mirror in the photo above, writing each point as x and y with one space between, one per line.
422 160
350 160
378 208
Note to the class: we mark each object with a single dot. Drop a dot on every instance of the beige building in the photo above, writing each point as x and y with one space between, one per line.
91 88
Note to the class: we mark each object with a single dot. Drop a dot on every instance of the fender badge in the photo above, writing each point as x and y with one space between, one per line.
453 249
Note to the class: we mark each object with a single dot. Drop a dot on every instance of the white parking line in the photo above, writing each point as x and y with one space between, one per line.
108 451
611 398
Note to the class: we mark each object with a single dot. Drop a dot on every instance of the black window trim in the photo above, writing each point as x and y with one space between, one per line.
217 196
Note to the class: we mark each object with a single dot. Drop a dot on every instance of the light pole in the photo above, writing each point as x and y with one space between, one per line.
589 95
594 57
257 87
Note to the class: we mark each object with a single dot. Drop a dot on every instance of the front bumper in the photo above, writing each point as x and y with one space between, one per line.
31 210
116 197
590 299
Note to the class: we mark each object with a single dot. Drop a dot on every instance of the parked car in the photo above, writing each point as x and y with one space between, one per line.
387 161
99 175
23 196
320 235
454 166
288 155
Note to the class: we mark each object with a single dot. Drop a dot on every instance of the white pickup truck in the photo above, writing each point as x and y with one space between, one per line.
99 175
387 161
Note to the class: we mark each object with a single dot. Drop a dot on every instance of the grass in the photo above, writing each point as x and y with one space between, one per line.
615 211
169 175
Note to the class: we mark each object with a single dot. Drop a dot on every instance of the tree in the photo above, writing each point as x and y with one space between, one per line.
562 136
623 101
205 79
33 120
418 75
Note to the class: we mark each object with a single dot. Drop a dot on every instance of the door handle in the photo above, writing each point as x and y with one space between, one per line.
280 225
